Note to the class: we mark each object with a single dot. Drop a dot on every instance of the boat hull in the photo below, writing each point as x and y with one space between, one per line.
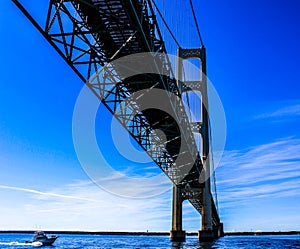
47 241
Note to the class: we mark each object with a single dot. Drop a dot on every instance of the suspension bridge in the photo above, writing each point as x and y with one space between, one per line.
90 35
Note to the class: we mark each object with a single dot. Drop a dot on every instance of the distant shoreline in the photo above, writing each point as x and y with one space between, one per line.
148 233
262 233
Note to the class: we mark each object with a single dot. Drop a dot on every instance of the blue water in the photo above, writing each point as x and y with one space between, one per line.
153 242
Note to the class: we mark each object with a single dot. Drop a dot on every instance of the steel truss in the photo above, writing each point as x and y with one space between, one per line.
89 35
87 45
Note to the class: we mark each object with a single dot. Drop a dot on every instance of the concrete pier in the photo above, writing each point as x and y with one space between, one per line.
177 236
210 235
207 235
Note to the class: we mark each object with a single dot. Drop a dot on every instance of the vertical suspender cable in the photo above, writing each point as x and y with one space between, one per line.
164 21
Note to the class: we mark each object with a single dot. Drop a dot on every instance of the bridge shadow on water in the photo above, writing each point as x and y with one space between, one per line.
194 245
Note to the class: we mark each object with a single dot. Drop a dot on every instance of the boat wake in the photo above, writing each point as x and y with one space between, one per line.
14 243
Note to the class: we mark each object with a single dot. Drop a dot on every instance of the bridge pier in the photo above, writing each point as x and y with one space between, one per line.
177 234
209 235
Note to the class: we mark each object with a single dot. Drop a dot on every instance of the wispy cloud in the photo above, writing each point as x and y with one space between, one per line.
83 205
48 194
282 113
267 170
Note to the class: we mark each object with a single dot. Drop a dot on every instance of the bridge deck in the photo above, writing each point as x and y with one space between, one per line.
113 23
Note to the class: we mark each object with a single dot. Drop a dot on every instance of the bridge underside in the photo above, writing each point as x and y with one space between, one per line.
90 35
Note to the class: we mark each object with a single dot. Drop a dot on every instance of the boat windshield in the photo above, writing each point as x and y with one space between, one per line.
39 234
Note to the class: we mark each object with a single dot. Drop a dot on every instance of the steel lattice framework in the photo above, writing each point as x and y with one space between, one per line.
90 35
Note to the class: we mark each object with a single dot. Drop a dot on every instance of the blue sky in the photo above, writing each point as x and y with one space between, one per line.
253 58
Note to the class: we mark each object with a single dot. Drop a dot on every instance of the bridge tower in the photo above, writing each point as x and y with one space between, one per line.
202 194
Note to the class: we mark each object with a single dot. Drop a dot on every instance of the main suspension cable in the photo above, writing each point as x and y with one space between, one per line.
195 19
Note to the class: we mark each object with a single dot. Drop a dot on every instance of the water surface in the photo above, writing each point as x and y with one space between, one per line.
17 241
